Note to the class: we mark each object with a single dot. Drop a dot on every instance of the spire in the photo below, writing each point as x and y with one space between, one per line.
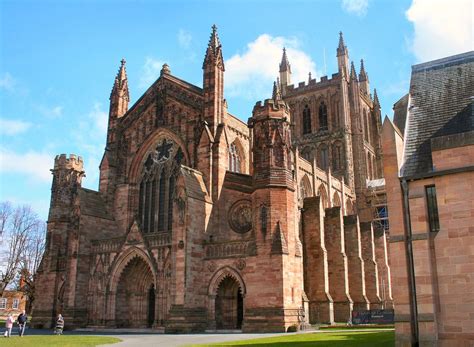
341 48
214 49
285 64
376 98
120 87
362 75
353 72
276 95
214 42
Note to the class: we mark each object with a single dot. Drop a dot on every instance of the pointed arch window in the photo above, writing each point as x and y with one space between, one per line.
157 187
323 157
263 219
235 160
366 126
306 120
337 156
323 116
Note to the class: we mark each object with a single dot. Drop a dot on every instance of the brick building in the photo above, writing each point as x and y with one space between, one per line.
204 222
12 302
429 173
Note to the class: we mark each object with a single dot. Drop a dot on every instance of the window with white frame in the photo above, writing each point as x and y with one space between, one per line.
16 304
3 303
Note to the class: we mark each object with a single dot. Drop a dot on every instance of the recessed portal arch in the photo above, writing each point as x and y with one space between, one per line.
226 304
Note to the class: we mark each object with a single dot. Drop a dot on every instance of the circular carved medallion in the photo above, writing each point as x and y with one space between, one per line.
240 216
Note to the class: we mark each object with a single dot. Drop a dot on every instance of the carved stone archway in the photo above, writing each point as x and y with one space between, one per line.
226 294
128 300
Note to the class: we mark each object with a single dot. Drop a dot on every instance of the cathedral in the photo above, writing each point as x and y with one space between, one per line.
203 222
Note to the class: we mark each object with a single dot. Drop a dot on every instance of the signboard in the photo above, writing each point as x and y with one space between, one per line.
373 317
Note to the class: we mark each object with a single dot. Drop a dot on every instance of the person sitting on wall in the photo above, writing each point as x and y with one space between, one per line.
21 320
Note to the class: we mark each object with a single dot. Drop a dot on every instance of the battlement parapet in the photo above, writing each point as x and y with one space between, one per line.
271 109
74 162
303 86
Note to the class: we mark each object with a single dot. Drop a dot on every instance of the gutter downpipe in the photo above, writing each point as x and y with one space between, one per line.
411 263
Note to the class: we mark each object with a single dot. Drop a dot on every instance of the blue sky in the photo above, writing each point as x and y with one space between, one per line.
58 60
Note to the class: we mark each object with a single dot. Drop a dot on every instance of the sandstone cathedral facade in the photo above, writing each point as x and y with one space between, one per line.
203 222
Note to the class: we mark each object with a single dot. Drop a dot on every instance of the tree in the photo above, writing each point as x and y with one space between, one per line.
31 260
22 244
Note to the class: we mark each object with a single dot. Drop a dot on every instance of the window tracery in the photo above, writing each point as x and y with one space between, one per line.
157 186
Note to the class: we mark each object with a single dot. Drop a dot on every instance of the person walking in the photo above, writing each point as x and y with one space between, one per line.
22 319
59 325
8 326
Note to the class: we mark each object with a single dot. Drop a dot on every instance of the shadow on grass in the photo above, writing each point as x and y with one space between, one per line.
376 339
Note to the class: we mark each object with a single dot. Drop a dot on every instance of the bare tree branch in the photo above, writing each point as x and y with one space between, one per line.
22 243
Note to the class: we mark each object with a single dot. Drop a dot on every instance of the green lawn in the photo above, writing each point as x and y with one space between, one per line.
57 341
331 339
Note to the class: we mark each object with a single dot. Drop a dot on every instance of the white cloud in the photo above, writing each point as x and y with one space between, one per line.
357 7
12 127
184 38
7 82
34 164
252 73
442 28
150 72
51 112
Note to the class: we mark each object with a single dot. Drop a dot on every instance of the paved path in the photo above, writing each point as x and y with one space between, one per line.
162 340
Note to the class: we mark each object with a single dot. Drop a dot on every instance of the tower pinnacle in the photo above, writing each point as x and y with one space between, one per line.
120 87
362 75
353 72
341 48
285 72
376 98
285 64
276 95
214 49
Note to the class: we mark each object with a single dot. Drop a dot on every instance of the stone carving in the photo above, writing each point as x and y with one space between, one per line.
240 216
212 266
240 264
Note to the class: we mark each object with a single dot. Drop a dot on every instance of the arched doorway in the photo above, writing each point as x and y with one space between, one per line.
151 305
135 296
229 304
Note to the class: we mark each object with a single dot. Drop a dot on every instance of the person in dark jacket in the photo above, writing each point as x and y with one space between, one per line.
21 320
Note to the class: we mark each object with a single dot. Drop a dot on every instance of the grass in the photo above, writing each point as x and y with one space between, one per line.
330 339
367 326
57 341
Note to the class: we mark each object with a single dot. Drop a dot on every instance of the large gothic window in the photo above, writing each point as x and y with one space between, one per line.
157 186
323 116
235 161
306 120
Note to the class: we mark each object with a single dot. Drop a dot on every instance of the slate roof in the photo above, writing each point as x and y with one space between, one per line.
439 104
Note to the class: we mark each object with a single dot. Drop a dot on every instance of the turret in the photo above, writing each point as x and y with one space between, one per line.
363 79
274 223
213 82
67 179
119 98
342 57
285 72
272 142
